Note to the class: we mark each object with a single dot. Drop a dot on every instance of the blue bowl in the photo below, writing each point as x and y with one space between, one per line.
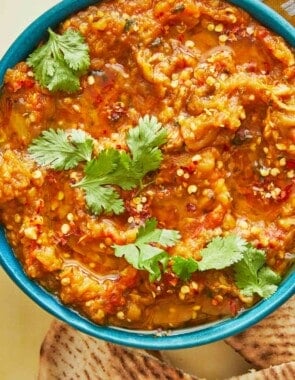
182 338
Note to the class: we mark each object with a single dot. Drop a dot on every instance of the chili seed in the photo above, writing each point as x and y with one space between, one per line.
219 28
185 289
31 233
192 189
65 281
120 315
65 228
223 38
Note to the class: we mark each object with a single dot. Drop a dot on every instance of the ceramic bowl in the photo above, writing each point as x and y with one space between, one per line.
181 338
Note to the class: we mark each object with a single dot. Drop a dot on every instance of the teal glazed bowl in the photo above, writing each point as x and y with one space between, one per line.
182 338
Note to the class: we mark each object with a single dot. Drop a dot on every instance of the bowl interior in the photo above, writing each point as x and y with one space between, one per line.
183 338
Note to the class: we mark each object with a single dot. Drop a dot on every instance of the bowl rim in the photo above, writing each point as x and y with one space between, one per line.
178 339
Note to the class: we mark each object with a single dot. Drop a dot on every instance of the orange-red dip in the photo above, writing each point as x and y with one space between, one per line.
223 86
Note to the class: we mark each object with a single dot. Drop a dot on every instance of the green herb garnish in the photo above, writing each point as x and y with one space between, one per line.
251 273
144 142
122 169
111 167
222 252
63 150
147 252
184 267
253 276
59 63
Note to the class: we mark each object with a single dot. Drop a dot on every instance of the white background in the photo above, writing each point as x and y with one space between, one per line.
22 323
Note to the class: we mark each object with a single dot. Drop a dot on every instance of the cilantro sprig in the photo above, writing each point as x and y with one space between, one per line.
222 252
147 252
61 150
184 267
252 275
59 63
126 170
144 142
111 168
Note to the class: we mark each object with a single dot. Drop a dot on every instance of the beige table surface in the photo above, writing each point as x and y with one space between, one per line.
23 323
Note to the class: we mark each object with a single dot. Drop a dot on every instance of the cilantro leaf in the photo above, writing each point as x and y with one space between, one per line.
101 199
222 252
113 167
60 62
150 234
130 252
99 170
147 252
63 79
253 276
110 167
150 258
74 49
251 273
143 254
184 267
61 150
144 142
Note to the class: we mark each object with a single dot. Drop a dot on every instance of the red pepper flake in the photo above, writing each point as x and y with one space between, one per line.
290 164
97 100
191 207
115 111
170 279
191 168
181 39
262 33
285 193
17 85
214 302
233 306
